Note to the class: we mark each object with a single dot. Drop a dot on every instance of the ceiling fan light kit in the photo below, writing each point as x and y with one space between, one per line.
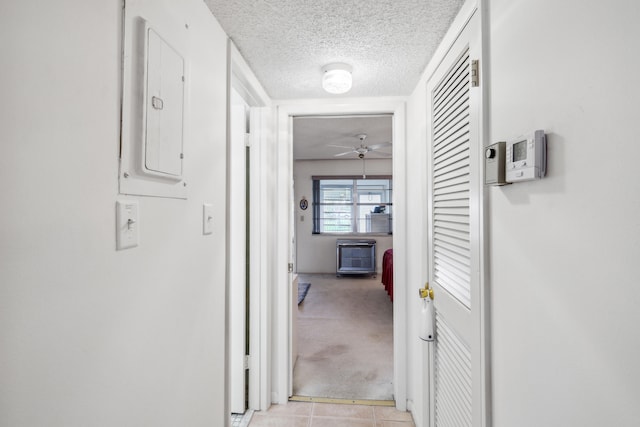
336 78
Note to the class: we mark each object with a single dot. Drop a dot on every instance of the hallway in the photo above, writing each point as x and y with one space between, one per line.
93 335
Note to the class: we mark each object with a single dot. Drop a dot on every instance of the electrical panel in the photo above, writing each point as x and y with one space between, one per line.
154 102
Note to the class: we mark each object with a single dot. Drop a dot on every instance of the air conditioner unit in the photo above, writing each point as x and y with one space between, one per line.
355 256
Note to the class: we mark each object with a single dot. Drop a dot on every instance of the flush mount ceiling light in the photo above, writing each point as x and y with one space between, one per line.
336 78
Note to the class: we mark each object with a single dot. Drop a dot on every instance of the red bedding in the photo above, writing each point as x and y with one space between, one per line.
387 272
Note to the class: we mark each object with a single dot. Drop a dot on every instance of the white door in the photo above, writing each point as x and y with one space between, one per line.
454 199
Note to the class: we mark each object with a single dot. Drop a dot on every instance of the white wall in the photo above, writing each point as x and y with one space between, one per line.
565 250
316 253
89 335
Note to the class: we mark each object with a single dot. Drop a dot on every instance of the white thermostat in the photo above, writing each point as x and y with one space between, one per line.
526 157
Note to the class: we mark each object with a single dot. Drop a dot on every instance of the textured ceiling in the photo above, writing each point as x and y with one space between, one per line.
312 136
287 42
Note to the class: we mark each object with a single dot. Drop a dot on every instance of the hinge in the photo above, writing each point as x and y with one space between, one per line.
247 140
290 267
182 155
475 73
247 359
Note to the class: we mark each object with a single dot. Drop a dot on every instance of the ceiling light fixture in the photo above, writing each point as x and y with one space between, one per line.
336 78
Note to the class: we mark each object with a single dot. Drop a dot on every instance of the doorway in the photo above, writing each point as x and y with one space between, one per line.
283 339
343 192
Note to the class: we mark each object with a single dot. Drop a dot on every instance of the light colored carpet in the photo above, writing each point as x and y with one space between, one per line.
345 339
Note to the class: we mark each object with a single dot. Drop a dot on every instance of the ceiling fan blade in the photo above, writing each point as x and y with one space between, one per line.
376 146
343 154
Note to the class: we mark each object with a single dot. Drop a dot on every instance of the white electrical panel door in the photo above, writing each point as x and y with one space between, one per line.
164 108
155 101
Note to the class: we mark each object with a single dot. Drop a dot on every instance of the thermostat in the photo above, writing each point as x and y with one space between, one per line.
526 157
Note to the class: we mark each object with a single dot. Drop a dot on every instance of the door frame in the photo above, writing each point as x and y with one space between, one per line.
282 373
237 245
241 78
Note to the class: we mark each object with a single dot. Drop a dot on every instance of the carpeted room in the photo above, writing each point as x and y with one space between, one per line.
345 339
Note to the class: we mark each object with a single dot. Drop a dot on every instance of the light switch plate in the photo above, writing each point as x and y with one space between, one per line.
127 235
207 218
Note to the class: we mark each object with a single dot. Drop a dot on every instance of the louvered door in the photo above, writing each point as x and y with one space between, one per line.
450 181
453 235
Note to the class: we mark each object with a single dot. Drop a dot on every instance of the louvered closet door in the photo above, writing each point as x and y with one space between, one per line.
454 177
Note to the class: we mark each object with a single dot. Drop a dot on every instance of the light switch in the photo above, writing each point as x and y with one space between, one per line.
207 218
127 224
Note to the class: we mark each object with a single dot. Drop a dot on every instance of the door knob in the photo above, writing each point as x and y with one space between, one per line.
426 292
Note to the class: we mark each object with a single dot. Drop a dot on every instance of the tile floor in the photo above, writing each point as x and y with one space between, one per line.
303 414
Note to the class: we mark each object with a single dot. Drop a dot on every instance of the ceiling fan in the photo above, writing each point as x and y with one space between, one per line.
363 149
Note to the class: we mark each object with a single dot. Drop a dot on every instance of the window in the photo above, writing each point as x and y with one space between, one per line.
351 205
